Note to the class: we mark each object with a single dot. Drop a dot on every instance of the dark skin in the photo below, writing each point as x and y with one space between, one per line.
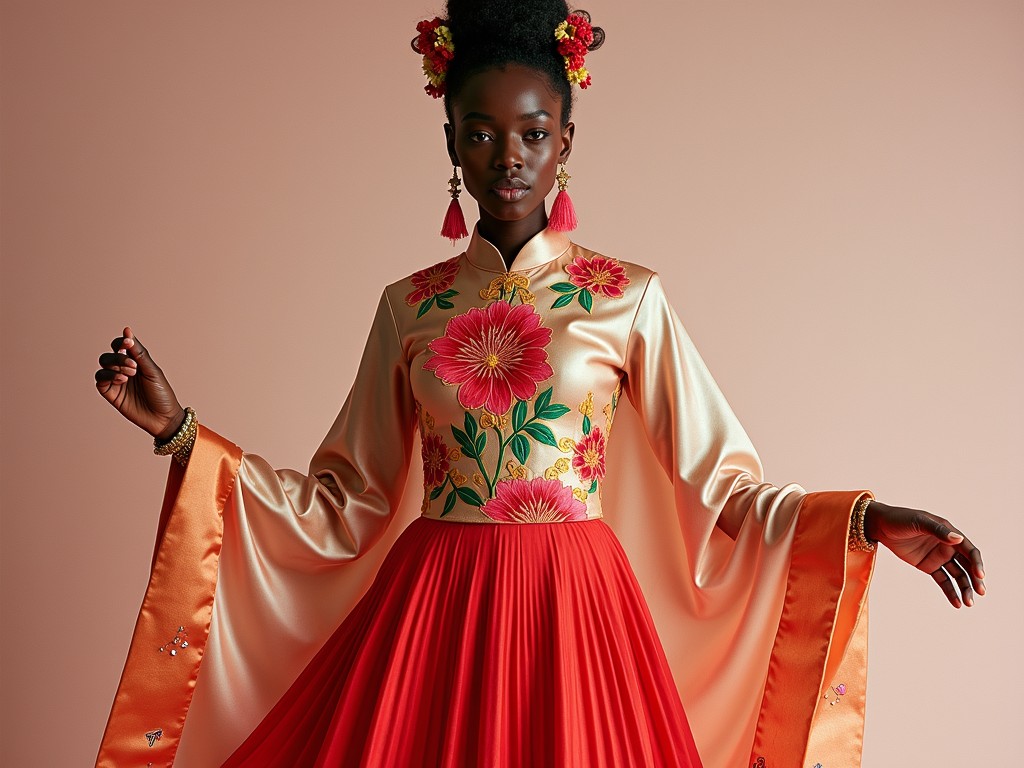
505 124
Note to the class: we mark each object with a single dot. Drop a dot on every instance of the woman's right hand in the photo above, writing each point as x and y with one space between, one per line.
131 382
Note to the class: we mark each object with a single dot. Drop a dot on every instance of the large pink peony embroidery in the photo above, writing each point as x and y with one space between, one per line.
600 274
432 280
495 354
588 456
435 460
534 501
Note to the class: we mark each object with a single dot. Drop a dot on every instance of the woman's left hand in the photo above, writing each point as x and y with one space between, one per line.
931 544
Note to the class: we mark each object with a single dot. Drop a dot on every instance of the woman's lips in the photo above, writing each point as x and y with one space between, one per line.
510 189
510 194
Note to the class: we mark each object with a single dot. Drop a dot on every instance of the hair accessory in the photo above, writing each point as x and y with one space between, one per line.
435 43
454 226
180 444
857 541
563 214
575 36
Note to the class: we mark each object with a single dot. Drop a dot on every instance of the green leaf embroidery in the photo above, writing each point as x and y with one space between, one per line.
586 425
541 433
586 299
467 445
424 306
437 491
521 448
518 415
470 425
470 496
481 441
564 287
448 294
542 401
449 503
553 411
593 486
562 301
444 303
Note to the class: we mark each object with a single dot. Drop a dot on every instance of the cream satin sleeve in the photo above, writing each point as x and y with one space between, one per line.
299 549
749 583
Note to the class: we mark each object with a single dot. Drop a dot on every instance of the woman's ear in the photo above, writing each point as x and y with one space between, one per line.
449 140
567 133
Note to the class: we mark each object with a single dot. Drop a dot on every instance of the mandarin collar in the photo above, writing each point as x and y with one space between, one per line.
547 245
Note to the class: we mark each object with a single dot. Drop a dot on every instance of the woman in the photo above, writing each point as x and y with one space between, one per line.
505 626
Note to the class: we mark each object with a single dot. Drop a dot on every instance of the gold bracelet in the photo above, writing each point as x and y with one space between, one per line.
180 444
857 541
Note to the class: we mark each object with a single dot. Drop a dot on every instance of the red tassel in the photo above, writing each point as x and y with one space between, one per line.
454 226
563 215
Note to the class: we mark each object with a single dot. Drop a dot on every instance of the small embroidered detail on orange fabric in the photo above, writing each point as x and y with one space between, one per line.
598 276
433 286
154 736
835 691
178 641
759 763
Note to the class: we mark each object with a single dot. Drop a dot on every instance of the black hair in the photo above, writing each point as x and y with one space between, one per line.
490 34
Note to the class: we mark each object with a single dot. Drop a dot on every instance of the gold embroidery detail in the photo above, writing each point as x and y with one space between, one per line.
428 419
505 283
454 454
488 420
458 478
479 480
587 406
579 493
515 471
560 467
566 444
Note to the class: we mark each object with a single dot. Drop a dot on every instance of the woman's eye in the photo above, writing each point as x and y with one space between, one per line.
537 134
478 136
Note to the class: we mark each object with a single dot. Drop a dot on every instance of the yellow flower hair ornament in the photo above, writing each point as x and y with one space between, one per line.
435 43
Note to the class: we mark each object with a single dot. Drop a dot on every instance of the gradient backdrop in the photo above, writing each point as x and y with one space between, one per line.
832 191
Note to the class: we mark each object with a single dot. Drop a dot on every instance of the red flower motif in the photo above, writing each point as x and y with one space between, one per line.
495 354
435 460
600 274
534 501
433 280
588 456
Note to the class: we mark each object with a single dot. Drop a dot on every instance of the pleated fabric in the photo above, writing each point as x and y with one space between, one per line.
499 645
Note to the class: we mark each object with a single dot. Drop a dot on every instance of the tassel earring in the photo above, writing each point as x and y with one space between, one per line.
563 214
454 226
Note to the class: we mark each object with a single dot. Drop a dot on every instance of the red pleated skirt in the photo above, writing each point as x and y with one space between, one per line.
496 645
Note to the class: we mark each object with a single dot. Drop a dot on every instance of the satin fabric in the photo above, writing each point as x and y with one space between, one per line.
761 611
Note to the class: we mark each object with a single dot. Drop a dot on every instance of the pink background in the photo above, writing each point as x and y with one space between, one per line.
833 193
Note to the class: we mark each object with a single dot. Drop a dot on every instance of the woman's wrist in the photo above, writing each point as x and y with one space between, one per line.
171 429
871 521
180 443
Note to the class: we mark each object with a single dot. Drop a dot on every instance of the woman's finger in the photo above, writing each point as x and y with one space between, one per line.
118 362
942 579
969 558
963 580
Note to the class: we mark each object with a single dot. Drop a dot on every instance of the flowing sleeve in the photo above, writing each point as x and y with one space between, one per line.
254 567
760 607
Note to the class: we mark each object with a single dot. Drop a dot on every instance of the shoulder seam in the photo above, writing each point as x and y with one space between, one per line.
636 314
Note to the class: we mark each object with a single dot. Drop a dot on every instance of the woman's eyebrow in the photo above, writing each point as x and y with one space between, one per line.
527 116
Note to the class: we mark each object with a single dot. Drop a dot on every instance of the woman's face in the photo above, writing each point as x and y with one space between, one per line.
506 137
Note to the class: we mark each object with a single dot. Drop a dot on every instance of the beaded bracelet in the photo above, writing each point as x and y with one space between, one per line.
857 540
180 444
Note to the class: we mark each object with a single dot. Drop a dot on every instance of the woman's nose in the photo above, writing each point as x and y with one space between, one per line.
509 156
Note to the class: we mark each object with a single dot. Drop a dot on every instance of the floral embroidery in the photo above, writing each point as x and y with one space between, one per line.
507 286
434 285
435 459
495 354
534 501
472 439
599 275
588 458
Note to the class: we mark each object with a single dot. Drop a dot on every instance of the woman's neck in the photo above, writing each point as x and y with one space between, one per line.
509 237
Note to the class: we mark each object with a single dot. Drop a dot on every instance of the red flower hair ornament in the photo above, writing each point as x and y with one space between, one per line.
574 38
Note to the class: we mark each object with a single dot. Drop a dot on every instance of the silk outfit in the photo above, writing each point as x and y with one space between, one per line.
514 380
